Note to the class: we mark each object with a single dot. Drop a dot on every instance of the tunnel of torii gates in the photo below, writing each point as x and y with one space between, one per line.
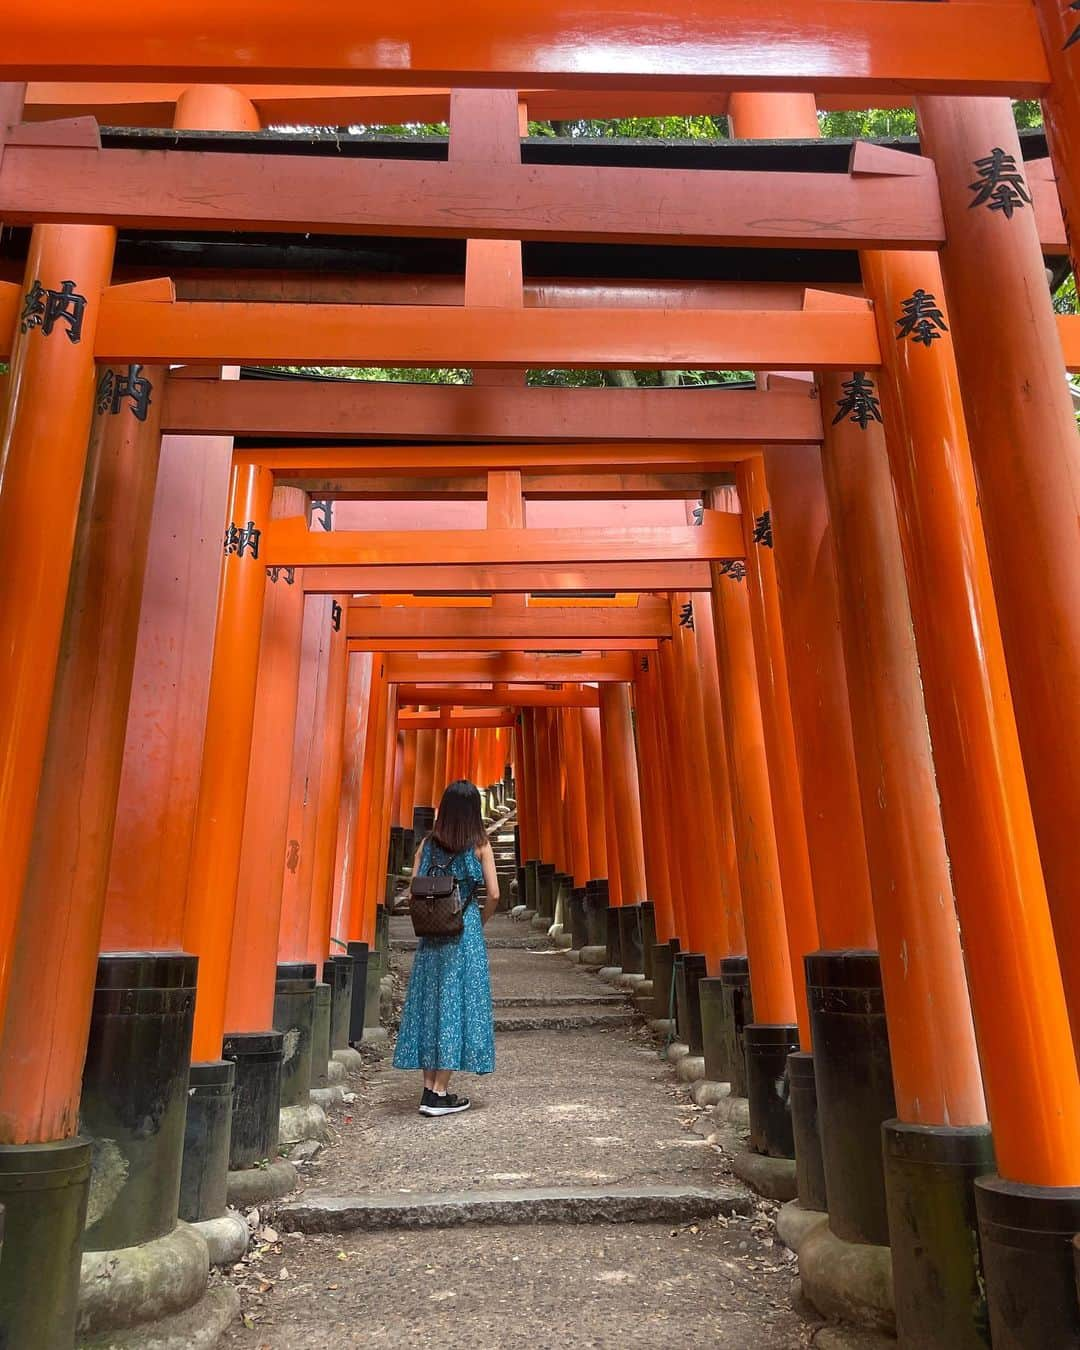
781 681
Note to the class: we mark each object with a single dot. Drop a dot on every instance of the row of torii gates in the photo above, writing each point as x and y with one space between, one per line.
828 714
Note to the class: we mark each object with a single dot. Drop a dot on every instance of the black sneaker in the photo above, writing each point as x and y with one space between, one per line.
447 1105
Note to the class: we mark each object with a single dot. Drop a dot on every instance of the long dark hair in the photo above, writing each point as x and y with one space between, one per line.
459 825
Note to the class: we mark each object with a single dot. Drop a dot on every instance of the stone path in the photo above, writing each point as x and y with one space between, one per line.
581 1120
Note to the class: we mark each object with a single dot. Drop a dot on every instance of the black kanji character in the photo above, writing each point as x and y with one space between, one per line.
698 514
734 568
326 510
240 538
1000 184
686 616
335 616
44 309
1076 31
763 529
921 318
287 574
113 389
859 404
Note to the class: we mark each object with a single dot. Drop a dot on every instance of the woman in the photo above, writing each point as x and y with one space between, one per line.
447 1022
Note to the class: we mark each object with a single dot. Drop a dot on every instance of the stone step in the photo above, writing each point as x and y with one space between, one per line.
557 1000
573 1017
554 1204
537 942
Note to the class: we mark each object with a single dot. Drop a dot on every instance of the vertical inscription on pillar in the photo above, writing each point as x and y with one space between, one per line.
326 511
859 404
335 616
242 539
44 309
999 185
686 616
763 529
1075 35
921 320
734 568
286 574
113 388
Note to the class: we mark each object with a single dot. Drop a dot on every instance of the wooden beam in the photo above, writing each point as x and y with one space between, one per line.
647 619
979 48
508 579
510 668
216 190
537 487
494 644
439 720
514 696
422 335
290 543
322 410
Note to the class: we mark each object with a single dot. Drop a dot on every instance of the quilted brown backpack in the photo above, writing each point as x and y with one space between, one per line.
436 905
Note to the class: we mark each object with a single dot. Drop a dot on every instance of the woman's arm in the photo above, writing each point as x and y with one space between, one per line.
491 880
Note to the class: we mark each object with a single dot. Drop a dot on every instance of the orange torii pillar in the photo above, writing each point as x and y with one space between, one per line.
564 878
530 794
678 796
439 778
597 891
424 785
574 919
773 1033
550 816
357 694
54 958
253 1047
984 801
408 794
525 830
627 862
1022 435
654 809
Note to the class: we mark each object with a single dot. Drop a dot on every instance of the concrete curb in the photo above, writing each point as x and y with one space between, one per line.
351 1059
708 1092
303 1122
226 1238
327 1096
663 1026
795 1224
620 1204
131 1286
592 956
733 1111
198 1328
674 1052
690 1068
254 1185
774 1178
847 1281
335 1072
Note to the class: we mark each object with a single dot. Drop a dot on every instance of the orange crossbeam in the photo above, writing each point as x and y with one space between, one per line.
202 190
439 721
290 543
504 644
511 668
514 696
649 619
422 335
473 413
980 48
508 578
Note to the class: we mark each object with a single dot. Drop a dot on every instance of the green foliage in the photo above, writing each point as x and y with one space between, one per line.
1065 296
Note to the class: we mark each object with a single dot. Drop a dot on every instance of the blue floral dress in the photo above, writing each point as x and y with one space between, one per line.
447 1021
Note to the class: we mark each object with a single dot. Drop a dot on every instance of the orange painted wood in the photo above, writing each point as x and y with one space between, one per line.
417 412
649 619
408 773
440 778
511 668
654 805
1068 326
620 769
291 544
219 814
594 792
485 199
370 799
512 696
433 721
759 867
57 936
249 1004
489 644
432 335
43 446
328 801
423 789
528 789
358 691
840 44
678 797
779 735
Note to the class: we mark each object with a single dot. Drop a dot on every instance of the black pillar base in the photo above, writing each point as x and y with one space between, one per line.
809 1165
43 1190
531 897
338 974
320 1037
207 1132
648 936
134 1093
767 1048
853 1070
294 1017
664 954
579 924
376 965
630 940
690 968
1026 1233
737 1011
613 937
545 888
256 1100
930 1173
596 903
359 953
713 1046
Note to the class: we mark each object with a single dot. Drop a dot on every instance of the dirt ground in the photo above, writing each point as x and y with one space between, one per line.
585 1106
